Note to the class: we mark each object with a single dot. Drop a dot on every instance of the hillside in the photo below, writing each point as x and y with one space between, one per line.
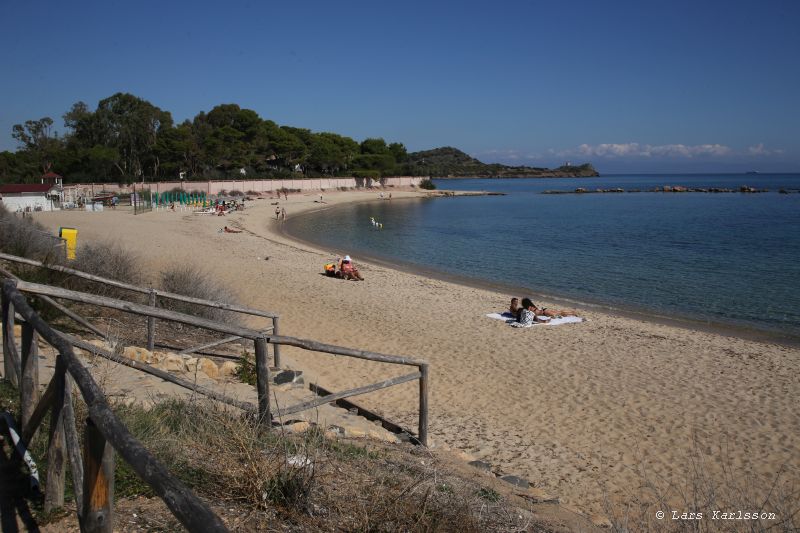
453 163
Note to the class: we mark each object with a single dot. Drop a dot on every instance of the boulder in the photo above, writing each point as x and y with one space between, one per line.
159 356
137 353
334 431
191 364
228 368
208 367
102 344
481 465
172 363
516 481
288 376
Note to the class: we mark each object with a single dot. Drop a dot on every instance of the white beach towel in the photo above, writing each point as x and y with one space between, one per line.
509 318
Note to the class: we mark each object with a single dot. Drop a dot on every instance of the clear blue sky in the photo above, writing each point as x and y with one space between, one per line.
698 85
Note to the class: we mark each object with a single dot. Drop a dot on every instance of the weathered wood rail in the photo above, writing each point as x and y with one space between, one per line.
92 470
260 340
153 296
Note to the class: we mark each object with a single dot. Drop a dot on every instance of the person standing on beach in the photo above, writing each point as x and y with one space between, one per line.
277 212
283 214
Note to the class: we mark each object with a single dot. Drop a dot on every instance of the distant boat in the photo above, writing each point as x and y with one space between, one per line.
752 172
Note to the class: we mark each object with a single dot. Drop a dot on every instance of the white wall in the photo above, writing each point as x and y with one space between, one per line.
15 202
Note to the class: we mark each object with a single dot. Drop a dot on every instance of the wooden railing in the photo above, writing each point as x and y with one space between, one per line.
93 469
93 476
153 296
260 340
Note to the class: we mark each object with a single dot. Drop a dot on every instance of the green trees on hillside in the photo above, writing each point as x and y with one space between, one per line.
129 139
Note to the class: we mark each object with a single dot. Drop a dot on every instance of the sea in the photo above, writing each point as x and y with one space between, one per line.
720 260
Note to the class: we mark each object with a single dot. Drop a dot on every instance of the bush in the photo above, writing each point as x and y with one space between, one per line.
26 238
190 280
107 260
427 184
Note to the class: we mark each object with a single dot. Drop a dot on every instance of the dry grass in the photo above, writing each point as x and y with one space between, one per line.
309 482
108 260
27 238
190 280
710 486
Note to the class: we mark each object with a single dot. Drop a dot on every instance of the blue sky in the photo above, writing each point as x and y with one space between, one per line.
629 86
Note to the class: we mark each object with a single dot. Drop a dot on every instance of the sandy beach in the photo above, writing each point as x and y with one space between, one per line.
577 409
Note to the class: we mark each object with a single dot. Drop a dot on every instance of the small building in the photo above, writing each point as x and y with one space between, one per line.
53 179
26 197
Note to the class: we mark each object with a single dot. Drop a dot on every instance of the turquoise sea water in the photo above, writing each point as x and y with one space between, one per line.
727 258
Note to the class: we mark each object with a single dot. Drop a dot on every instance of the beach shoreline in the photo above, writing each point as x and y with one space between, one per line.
742 331
576 409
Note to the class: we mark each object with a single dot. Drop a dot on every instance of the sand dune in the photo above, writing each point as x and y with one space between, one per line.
574 408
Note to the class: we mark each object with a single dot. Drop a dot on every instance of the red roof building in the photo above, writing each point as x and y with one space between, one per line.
29 196
19 188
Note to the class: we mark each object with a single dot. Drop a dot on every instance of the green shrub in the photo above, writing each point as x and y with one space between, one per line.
427 184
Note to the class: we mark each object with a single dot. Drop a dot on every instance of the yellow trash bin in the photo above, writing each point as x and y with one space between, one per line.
70 235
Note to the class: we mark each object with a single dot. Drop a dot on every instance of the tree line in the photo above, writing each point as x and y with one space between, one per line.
127 139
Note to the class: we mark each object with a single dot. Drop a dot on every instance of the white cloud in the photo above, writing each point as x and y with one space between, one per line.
650 150
760 149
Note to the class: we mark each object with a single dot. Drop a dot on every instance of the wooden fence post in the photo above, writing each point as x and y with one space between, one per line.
276 348
10 363
54 490
262 381
73 444
98 482
423 405
151 323
29 389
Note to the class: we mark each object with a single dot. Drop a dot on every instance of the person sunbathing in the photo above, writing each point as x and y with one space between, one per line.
543 311
514 307
348 270
526 314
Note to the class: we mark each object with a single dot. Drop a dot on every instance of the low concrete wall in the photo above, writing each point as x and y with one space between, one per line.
212 187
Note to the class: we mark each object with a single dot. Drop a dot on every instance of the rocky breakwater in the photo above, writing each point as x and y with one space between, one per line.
668 188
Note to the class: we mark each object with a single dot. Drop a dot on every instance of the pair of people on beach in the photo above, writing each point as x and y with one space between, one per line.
527 313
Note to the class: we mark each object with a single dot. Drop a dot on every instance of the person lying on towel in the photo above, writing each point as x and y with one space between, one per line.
529 314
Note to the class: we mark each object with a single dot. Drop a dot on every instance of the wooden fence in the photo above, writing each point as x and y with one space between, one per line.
23 373
153 296
93 468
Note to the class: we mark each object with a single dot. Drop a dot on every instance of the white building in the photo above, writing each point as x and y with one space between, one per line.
29 197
